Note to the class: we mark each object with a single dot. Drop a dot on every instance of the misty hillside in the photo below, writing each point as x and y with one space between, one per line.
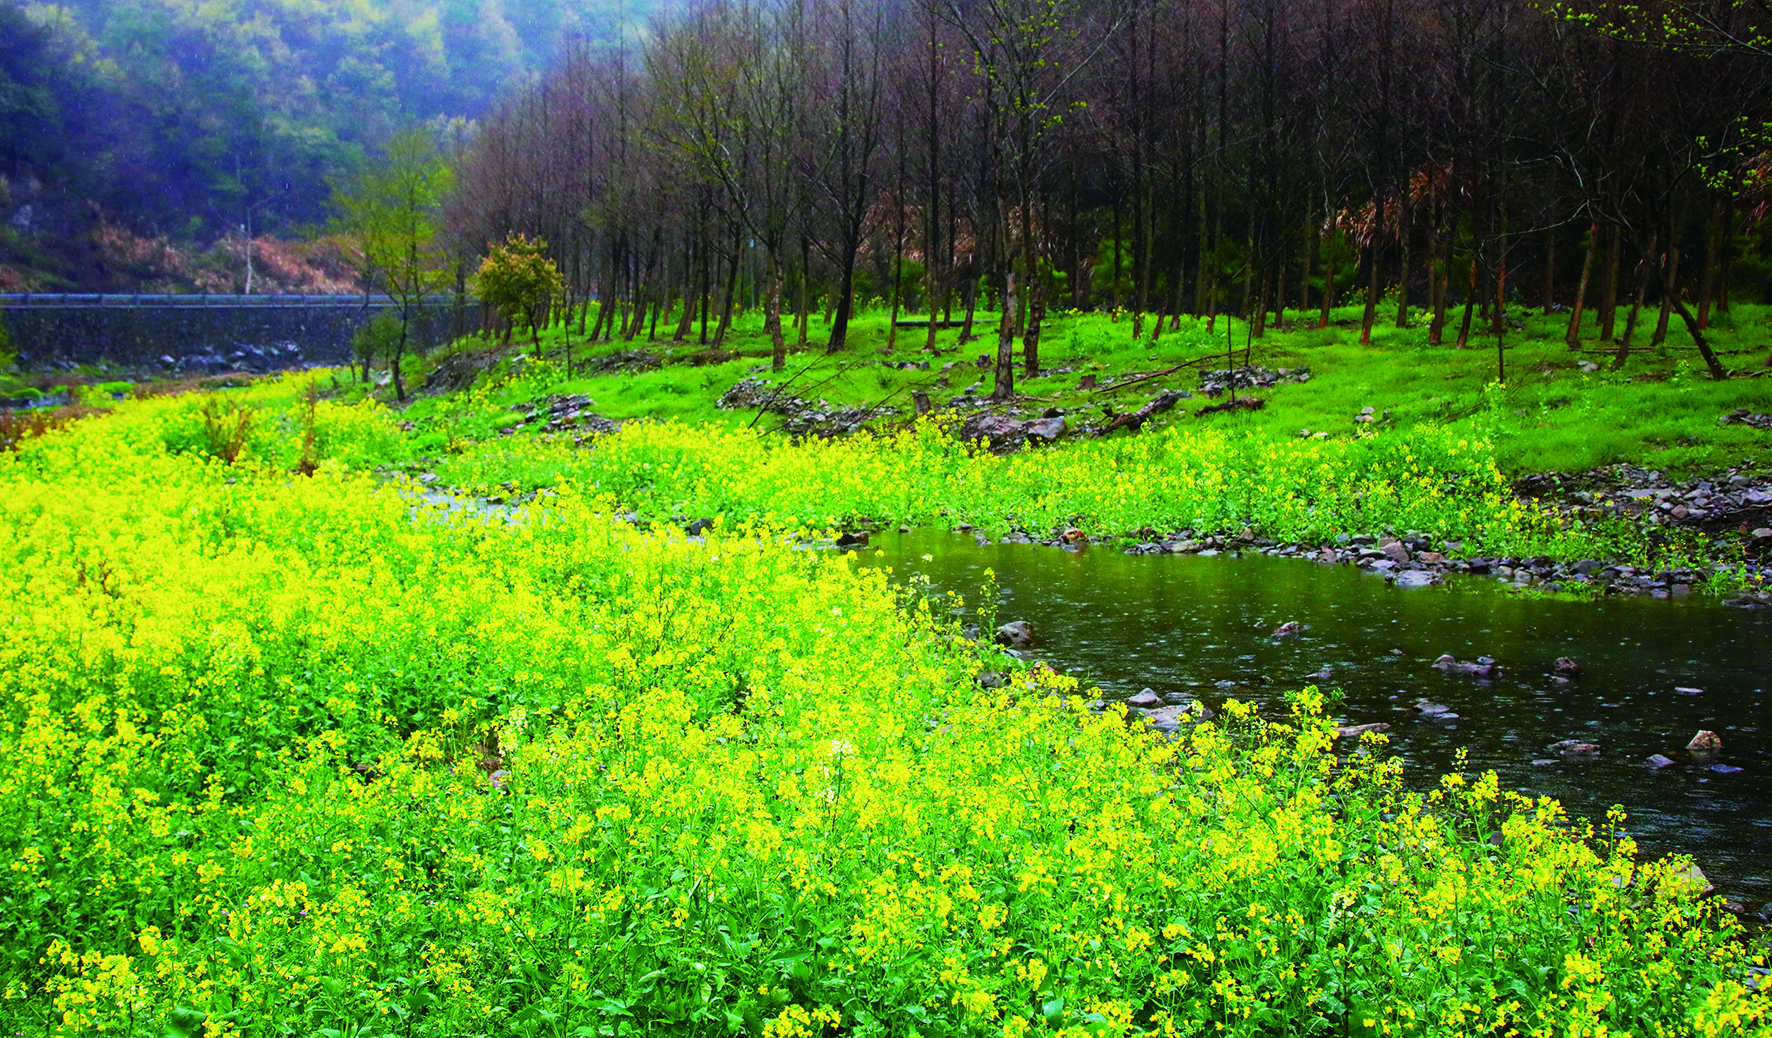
186 121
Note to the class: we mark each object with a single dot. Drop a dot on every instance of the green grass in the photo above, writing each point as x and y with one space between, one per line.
1660 410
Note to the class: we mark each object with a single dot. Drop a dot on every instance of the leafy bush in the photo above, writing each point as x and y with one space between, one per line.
518 279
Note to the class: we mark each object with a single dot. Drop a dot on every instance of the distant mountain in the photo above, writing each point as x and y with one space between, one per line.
191 120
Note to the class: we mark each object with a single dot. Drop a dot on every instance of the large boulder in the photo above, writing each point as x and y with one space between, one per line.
1003 433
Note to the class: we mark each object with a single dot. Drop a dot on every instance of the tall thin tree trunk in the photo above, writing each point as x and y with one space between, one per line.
1328 283
1670 278
778 355
731 286
1403 235
1036 296
1500 325
1692 328
1371 313
1311 230
1707 281
1437 278
1470 302
971 296
1004 389
805 301
602 315
1636 308
1249 273
1609 282
1573 335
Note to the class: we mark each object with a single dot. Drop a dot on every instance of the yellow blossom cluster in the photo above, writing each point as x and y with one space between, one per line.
310 755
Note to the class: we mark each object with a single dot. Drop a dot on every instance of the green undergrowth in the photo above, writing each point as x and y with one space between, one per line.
306 755
1660 410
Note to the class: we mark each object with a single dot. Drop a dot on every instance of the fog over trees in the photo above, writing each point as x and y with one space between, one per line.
1450 159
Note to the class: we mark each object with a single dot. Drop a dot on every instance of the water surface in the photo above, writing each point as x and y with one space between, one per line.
1202 627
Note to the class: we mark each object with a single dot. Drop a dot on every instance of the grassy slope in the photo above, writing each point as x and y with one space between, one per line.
1659 411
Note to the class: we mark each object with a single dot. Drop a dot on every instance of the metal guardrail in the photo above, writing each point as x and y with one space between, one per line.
93 300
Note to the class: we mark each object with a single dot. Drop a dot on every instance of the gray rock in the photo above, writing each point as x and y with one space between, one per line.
1047 429
1145 700
1484 667
1347 731
1287 629
1016 634
1003 433
1725 769
1419 578
1171 718
1657 761
1574 748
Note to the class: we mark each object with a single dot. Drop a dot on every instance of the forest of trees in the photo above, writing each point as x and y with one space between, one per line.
192 121
1443 158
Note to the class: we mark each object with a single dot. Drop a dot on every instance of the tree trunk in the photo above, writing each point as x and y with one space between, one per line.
1609 283
1249 275
971 294
1672 277
1636 308
805 302
1036 298
602 314
1119 300
1707 281
731 287
1371 313
399 354
846 291
1403 230
1437 278
1311 230
1500 325
1470 302
1328 284
687 325
1691 322
898 279
778 356
1004 390
707 288
1573 335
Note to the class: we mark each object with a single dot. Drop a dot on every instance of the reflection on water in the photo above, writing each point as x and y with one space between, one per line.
1202 626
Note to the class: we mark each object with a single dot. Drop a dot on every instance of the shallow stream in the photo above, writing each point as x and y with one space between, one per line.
1202 627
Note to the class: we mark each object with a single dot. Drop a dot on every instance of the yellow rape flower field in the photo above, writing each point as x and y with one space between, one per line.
308 755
